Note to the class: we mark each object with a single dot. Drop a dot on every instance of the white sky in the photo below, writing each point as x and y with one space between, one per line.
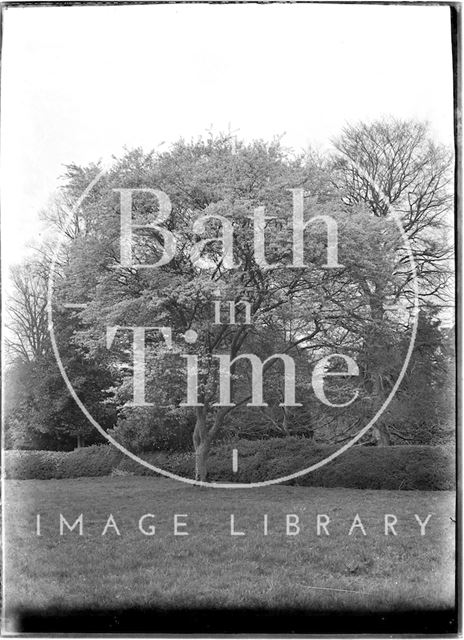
79 83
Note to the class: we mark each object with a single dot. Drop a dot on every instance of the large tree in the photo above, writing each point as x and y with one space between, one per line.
39 410
395 165
394 168
311 310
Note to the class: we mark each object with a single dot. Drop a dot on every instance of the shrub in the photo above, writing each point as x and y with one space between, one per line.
181 464
97 460
416 467
26 465
426 468
154 430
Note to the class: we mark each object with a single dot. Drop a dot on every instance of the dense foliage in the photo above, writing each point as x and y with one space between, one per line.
97 460
362 309
422 468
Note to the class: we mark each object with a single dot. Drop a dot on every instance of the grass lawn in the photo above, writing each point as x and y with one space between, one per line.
210 567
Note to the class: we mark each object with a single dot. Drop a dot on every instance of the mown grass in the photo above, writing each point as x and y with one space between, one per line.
209 567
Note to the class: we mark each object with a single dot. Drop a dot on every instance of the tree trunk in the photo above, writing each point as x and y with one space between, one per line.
202 439
201 444
201 462
381 432
285 421
382 435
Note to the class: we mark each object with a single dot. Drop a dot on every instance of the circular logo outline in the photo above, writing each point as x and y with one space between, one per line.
234 485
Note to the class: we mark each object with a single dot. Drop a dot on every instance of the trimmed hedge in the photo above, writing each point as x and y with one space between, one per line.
427 468
97 460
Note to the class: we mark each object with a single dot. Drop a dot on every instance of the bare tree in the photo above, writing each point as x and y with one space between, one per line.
27 324
61 216
396 163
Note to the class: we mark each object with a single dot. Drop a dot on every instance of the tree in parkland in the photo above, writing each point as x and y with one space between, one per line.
39 410
361 308
422 411
301 308
394 165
